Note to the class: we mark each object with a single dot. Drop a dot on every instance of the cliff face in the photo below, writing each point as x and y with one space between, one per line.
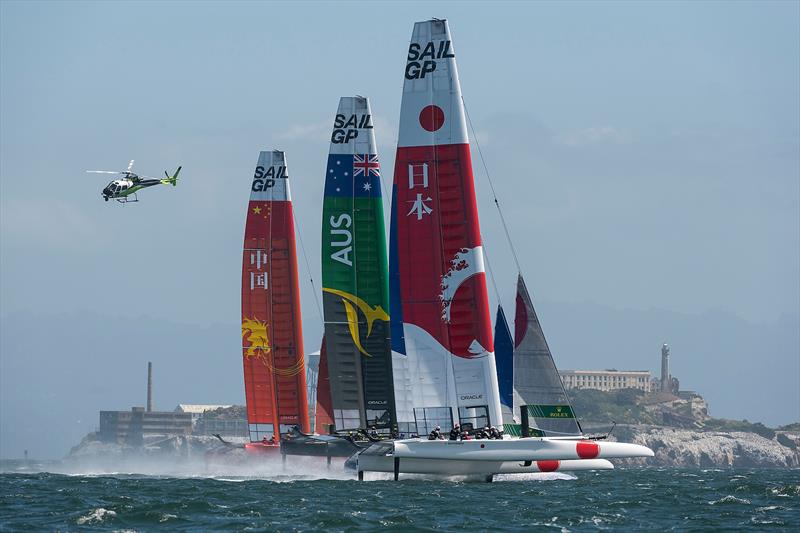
711 449
682 434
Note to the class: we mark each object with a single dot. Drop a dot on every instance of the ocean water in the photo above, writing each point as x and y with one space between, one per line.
332 500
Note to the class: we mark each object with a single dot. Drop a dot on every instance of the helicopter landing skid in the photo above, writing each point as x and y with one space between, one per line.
127 199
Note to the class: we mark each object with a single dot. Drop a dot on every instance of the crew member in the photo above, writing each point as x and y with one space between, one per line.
436 434
455 433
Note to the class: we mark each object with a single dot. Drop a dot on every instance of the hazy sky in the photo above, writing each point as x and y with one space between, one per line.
646 154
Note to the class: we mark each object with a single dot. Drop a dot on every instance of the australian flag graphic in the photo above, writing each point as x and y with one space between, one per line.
356 175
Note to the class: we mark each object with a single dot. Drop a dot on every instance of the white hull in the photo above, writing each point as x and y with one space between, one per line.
384 463
517 449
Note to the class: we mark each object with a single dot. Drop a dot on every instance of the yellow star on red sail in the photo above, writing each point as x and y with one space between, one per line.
256 210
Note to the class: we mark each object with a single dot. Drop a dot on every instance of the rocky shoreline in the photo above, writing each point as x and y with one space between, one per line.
675 447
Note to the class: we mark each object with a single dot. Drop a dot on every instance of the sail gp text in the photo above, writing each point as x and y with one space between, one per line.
345 128
264 180
422 61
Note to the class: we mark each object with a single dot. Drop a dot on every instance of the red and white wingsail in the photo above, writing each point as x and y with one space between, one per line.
272 333
443 356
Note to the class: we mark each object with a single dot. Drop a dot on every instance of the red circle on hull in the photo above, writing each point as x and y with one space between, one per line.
587 449
548 466
258 447
431 117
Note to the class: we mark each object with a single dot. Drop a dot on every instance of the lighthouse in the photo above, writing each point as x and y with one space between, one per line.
666 382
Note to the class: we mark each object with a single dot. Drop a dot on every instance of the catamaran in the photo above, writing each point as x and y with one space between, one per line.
444 364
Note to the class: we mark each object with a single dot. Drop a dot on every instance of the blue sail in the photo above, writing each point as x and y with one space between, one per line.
504 356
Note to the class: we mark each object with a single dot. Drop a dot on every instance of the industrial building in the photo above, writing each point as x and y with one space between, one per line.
223 420
131 426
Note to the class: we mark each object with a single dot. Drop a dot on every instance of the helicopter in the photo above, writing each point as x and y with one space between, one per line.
124 188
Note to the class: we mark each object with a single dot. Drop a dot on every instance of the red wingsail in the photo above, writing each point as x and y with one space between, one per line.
272 333
324 416
441 329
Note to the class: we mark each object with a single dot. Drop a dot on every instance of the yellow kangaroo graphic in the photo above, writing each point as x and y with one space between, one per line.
370 313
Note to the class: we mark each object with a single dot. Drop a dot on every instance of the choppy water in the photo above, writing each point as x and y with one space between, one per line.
622 499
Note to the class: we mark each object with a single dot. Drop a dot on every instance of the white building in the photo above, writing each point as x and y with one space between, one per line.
606 380
197 410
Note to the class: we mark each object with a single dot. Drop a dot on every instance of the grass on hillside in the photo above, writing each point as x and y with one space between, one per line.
626 406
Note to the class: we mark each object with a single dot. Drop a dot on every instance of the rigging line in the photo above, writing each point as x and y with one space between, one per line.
308 267
491 185
491 273
385 198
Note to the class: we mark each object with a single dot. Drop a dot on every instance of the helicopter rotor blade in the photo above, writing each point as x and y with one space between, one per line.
104 172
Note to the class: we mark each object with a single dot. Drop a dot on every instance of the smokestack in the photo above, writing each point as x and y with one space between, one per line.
665 381
149 386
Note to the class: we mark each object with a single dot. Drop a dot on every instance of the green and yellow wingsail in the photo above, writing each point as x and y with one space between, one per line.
354 275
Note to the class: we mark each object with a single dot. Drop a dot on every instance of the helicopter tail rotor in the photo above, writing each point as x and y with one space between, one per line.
171 179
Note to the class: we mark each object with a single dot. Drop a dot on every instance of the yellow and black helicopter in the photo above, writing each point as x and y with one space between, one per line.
124 189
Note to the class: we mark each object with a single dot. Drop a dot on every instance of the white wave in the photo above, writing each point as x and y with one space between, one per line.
730 499
770 508
97 516
234 468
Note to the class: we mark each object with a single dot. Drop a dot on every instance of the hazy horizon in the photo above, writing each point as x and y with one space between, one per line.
646 156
